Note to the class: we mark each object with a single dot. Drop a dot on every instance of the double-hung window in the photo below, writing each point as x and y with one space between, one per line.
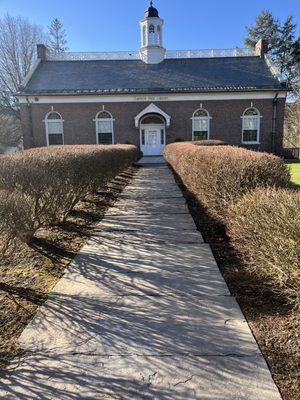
54 129
201 124
104 128
251 126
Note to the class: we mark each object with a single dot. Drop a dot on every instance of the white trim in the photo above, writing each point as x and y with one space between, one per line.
251 108
152 108
258 118
273 68
137 98
46 121
54 112
31 71
207 118
111 120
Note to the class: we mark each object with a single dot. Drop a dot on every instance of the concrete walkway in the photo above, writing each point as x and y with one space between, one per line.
142 313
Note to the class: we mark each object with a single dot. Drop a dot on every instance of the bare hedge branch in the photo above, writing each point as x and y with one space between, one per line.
220 175
39 187
264 227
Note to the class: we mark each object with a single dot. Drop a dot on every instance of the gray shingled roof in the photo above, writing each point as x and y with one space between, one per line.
134 76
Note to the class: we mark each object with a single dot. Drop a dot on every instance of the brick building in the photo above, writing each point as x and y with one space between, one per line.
152 97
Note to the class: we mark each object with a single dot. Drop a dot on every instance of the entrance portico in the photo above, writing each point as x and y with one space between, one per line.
152 123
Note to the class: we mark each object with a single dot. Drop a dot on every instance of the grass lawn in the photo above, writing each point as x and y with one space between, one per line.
295 171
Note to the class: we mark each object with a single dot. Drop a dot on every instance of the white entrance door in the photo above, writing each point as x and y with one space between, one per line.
152 140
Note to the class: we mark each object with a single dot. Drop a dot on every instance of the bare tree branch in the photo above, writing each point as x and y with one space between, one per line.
18 39
10 131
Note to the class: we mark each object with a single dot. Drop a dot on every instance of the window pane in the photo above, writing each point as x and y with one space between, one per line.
104 115
251 111
55 127
200 135
162 136
105 138
143 137
201 124
104 127
250 123
55 139
54 115
201 113
250 135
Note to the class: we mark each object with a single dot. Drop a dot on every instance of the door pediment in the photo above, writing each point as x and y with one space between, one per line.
152 108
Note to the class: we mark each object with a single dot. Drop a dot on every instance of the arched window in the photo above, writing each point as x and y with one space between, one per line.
201 124
151 34
54 129
104 128
144 35
251 126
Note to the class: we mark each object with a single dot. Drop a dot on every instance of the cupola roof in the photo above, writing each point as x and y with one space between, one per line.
151 12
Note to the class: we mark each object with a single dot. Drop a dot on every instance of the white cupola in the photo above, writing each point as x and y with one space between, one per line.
152 50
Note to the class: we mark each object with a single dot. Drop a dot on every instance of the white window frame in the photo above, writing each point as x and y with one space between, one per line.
207 118
256 117
111 120
46 121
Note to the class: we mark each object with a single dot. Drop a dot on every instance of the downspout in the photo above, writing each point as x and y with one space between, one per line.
274 118
29 107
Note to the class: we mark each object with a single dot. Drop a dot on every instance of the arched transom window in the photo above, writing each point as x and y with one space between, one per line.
54 129
104 128
201 124
251 126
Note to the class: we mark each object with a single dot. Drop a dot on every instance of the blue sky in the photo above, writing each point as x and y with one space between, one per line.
113 25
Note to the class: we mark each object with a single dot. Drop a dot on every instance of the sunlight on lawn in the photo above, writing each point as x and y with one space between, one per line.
295 171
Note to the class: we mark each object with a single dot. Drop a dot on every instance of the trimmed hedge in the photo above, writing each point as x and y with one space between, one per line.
209 143
220 175
248 192
264 227
39 187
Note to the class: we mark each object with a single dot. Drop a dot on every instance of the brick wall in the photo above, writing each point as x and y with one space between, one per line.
79 125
